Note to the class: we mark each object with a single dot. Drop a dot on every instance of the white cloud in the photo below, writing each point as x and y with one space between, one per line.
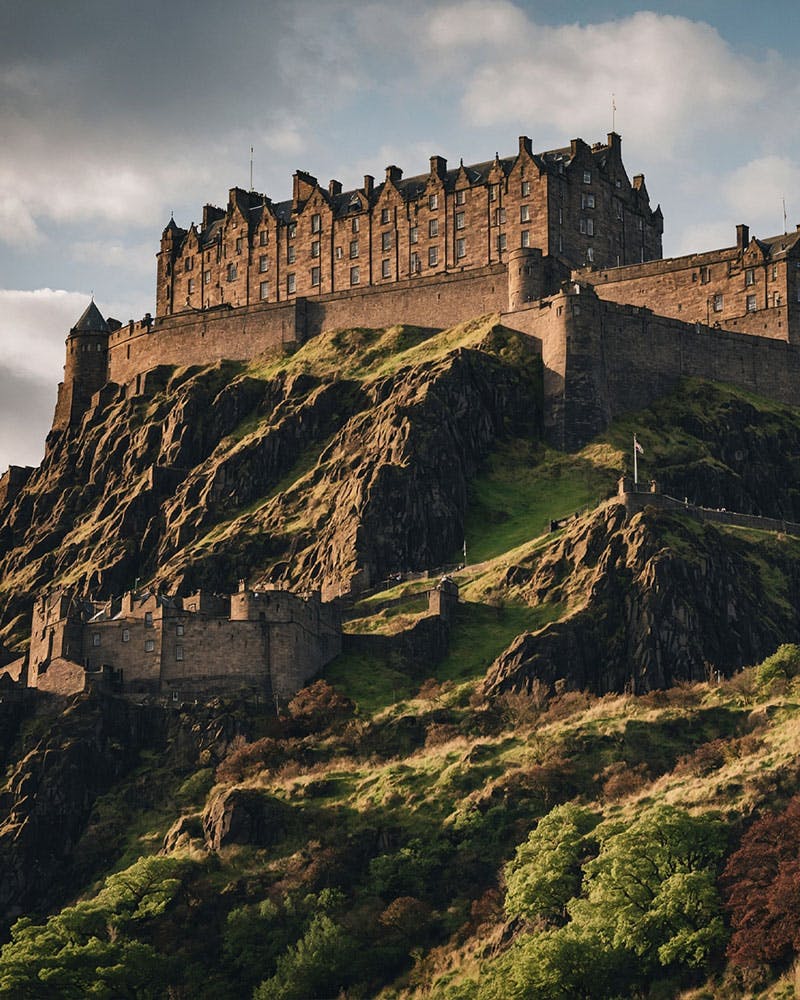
755 191
33 328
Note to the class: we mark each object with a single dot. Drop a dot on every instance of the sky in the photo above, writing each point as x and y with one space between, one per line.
115 114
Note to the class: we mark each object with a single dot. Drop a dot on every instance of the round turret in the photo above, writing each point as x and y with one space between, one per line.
86 367
525 277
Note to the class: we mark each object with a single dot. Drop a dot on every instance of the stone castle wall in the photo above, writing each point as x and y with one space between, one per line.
602 359
209 336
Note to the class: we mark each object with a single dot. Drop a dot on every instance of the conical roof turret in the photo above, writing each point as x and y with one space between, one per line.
91 321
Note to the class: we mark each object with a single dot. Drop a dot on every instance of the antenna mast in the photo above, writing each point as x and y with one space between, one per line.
251 168
613 113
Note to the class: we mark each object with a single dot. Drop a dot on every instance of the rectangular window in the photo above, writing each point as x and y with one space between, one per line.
751 303
291 284
461 249
587 201
413 234
414 264
385 272
461 221
206 277
501 242
774 271
433 256
718 302
316 223
590 255
263 290
433 202
231 272
526 188
292 230
263 236
179 628
188 264
384 216
291 254
524 213
433 227
353 249
356 225
175 696
705 275
96 639
315 248
776 299
262 263
339 253
587 177
590 227
749 276
126 635
190 286
149 645
238 244
386 241
148 619
525 238
494 191
179 652
315 277
355 276
499 216
460 197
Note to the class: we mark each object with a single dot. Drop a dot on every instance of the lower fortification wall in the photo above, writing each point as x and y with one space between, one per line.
240 334
602 359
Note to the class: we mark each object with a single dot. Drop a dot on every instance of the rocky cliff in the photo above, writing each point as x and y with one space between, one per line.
653 601
330 468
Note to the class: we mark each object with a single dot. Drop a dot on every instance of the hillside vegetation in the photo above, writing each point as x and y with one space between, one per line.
592 791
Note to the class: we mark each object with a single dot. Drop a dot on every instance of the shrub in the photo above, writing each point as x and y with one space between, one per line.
319 706
250 759
779 668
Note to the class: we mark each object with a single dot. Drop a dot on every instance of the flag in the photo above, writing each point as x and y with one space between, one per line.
637 446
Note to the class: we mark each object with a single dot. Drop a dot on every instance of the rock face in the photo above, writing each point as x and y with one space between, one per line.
300 476
654 601
242 816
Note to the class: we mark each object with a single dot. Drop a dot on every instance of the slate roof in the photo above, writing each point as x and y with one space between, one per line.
91 321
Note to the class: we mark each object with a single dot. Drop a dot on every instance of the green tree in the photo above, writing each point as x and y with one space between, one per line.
547 869
318 965
652 889
91 949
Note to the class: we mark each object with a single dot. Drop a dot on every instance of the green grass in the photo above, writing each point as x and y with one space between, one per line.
525 486
480 633
371 684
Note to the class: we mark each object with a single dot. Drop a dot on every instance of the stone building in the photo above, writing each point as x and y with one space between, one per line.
267 642
752 286
577 205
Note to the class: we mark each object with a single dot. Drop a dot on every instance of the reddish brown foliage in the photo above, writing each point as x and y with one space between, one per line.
250 759
621 779
319 706
761 883
407 916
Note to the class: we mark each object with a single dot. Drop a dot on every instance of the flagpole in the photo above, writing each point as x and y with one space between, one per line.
635 463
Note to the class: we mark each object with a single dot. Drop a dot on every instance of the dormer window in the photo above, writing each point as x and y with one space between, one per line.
238 244
384 216
750 276
494 192
460 197
526 188
433 202
356 225
263 237
316 223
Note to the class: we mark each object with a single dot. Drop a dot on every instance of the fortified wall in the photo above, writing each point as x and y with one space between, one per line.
265 642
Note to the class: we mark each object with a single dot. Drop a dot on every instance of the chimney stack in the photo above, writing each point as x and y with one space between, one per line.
439 166
742 236
394 174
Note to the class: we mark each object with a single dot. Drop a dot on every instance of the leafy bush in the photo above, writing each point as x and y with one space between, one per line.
250 759
319 706
319 965
778 668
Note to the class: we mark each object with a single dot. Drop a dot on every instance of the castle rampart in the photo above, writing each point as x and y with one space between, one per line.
269 643
752 287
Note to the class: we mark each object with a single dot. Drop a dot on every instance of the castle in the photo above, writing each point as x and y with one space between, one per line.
561 244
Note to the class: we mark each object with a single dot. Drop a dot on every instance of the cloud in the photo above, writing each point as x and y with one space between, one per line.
33 328
22 440
755 192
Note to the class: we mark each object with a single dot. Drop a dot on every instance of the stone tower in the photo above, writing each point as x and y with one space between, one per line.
85 370
525 277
